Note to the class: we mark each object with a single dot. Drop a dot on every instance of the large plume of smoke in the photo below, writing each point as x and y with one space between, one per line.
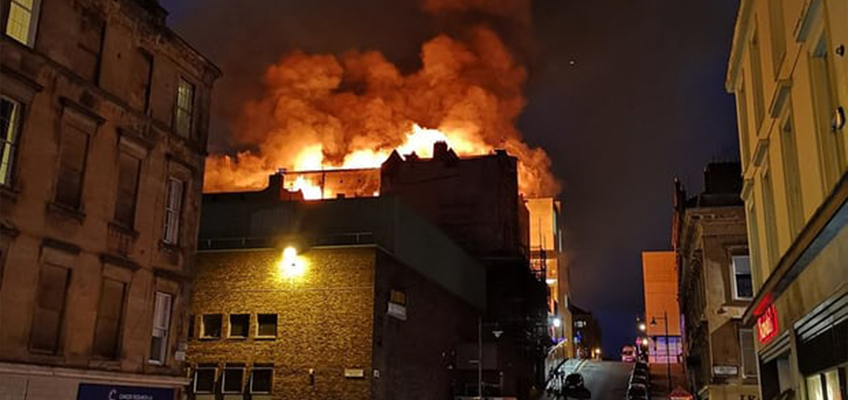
468 82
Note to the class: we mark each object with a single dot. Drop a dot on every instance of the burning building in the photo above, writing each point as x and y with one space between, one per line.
475 202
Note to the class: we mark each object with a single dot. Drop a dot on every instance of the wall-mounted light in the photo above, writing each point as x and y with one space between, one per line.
291 264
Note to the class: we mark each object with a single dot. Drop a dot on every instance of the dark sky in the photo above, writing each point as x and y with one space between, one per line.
643 102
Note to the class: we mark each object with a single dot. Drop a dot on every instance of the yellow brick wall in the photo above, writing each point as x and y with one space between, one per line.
325 317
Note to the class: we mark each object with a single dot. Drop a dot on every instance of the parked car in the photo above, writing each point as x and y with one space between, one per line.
640 379
637 391
628 354
642 367
574 381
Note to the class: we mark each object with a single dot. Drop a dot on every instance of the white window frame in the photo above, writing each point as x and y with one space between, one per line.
224 380
203 334
230 326
8 148
190 111
34 13
161 324
214 375
173 211
276 321
735 289
261 368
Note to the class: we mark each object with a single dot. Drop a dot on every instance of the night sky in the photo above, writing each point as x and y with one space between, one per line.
623 94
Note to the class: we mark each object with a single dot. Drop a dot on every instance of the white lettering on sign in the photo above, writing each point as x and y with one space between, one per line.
396 310
727 370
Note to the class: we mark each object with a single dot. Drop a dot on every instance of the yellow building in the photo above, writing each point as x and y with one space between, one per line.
662 312
789 73
546 255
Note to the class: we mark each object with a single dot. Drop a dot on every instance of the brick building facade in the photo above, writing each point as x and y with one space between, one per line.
377 309
104 124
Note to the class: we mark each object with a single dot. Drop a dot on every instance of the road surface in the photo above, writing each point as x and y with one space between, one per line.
606 380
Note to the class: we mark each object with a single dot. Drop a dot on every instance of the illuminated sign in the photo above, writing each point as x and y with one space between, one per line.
767 325
397 305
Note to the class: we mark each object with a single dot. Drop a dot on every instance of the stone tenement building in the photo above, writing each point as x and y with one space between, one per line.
714 278
355 298
104 116
788 70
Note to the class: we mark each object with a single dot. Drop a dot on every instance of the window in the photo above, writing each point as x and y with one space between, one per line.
742 114
185 108
146 73
204 379
778 35
173 210
824 98
742 284
90 46
10 112
261 379
814 388
49 309
71 163
239 325
161 327
831 379
771 220
755 259
793 179
107 330
210 327
22 22
127 193
757 79
191 326
749 353
266 325
233 379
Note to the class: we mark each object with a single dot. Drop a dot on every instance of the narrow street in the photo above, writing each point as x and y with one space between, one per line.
606 380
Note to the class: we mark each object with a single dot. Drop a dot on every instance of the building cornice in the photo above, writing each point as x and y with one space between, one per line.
740 31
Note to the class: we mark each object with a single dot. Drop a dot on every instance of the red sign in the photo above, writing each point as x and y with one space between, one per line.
767 325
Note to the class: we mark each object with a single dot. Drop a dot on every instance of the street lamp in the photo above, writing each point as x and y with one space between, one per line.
557 322
497 332
642 326
667 349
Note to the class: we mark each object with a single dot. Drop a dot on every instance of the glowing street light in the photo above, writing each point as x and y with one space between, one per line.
645 342
642 326
557 322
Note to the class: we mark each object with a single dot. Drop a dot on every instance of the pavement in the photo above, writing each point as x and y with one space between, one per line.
606 380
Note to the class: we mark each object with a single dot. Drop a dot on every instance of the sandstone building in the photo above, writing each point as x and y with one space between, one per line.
789 73
104 116
714 280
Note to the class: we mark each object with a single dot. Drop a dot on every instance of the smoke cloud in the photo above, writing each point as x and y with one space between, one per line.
319 109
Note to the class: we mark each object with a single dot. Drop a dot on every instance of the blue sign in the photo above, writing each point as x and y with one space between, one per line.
90 391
